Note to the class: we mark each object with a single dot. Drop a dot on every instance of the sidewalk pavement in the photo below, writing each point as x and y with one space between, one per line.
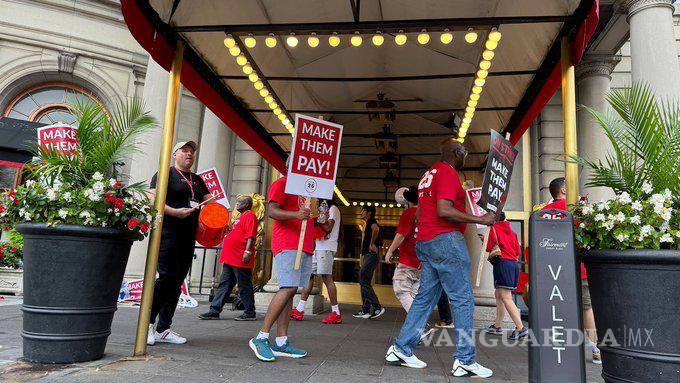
217 351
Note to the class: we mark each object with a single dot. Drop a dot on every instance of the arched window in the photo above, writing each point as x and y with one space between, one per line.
47 103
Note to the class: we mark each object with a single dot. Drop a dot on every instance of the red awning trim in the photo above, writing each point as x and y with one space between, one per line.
163 52
17 165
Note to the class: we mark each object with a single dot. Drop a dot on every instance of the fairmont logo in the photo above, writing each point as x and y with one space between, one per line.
550 244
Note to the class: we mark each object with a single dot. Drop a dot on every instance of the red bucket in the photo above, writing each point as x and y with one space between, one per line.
212 224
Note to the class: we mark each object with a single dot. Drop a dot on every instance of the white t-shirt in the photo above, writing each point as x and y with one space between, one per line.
330 243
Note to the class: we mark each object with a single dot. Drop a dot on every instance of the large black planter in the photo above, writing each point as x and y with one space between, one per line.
636 301
72 276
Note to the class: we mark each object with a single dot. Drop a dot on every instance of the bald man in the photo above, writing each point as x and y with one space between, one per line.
445 264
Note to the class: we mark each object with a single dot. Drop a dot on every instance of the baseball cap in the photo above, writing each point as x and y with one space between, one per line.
182 144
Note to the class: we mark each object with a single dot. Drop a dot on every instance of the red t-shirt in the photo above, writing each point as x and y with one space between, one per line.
561 204
286 234
438 183
407 228
506 239
234 244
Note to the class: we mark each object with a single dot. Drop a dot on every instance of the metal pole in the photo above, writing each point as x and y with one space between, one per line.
159 202
569 117
526 184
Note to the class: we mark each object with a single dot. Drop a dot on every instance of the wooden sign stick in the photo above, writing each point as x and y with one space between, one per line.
303 230
482 257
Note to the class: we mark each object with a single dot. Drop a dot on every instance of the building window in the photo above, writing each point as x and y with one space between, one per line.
47 103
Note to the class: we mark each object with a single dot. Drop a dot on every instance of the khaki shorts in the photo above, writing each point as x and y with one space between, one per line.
585 295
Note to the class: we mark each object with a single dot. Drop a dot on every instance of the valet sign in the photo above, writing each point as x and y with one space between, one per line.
58 138
314 157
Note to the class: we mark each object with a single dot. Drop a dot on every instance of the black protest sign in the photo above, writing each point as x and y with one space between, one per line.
498 172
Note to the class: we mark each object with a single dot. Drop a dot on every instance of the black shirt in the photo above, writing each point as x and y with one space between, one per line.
368 233
179 195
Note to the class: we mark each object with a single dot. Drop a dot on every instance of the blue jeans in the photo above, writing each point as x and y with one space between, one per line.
445 265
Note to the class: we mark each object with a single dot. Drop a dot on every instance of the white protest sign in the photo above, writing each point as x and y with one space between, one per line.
214 185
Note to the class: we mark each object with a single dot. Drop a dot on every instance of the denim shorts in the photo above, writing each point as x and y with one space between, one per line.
322 262
285 269
505 274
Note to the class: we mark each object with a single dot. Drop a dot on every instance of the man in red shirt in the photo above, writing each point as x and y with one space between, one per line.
558 191
287 211
445 263
237 258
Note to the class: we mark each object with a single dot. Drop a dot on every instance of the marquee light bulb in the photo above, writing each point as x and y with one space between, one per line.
462 134
277 111
495 35
423 38
354 203
488 55
270 41
384 205
234 51
484 64
378 39
369 203
469 115
289 126
282 116
269 99
469 110
472 103
313 41
474 97
247 69
482 73
285 122
463 128
253 77
273 105
471 36
258 85
491 45
476 89
334 40
361 204
464 125
229 42
292 41
356 40
461 140
446 37
264 92
400 39
241 60
480 81
250 41
467 120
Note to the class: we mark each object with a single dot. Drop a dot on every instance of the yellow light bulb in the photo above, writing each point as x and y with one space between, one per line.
400 39
476 89
285 122
378 39
482 73
241 60
491 45
446 38
264 92
313 41
384 205
250 41
277 111
270 41
462 129
282 116
464 126
495 35
423 38
369 203
480 81
273 105
292 41
462 134
488 55
461 140
258 85
361 204
472 103
484 64
234 51
229 42
471 36
269 99
467 120
289 126
334 40
474 97
469 115
469 110
253 77
247 69
356 40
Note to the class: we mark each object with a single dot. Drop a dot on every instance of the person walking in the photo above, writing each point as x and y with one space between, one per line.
237 258
505 276
180 220
322 263
445 264
370 247
288 211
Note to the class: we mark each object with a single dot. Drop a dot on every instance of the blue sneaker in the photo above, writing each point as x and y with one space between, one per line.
288 350
517 335
262 349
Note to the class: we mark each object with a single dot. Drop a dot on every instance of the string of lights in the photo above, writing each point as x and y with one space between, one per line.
376 204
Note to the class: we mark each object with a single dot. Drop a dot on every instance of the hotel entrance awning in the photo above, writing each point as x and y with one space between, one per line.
429 85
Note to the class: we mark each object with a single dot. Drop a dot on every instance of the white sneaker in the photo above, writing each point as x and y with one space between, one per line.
169 336
151 336
397 358
475 369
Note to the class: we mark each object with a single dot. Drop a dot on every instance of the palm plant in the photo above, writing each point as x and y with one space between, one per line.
644 134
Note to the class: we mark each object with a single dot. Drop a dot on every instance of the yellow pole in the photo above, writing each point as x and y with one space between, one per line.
159 202
569 116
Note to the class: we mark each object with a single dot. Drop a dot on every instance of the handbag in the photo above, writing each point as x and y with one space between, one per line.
495 253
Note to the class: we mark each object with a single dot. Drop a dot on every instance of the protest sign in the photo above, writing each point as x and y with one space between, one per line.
214 185
59 138
131 292
499 166
473 196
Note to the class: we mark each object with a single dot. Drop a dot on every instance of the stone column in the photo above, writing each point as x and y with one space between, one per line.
654 55
593 80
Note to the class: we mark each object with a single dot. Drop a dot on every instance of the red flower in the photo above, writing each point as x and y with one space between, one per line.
110 198
144 227
118 184
118 204
10 193
2 208
6 228
132 223
16 201
14 250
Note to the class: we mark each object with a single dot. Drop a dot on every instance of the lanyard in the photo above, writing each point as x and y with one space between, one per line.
189 181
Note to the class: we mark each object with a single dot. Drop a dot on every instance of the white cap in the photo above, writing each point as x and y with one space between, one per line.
399 195
182 144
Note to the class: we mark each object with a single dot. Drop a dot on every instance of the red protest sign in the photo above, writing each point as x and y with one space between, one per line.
60 138
473 196
214 185
314 157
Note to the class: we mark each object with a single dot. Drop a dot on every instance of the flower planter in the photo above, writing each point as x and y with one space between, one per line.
636 301
72 276
11 281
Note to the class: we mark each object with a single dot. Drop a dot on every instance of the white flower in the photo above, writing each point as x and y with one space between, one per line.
666 238
636 206
67 196
621 237
620 217
103 223
63 213
98 186
625 198
599 217
667 194
657 199
667 214
635 220
664 227
51 195
22 211
645 230
112 182
647 187
97 176
27 216
587 209
84 214
608 225
29 183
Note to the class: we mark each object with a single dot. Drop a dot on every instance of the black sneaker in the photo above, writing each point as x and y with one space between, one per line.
209 315
361 314
517 335
377 313
244 317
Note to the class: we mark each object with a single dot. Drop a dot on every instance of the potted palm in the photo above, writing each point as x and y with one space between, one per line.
78 222
630 242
